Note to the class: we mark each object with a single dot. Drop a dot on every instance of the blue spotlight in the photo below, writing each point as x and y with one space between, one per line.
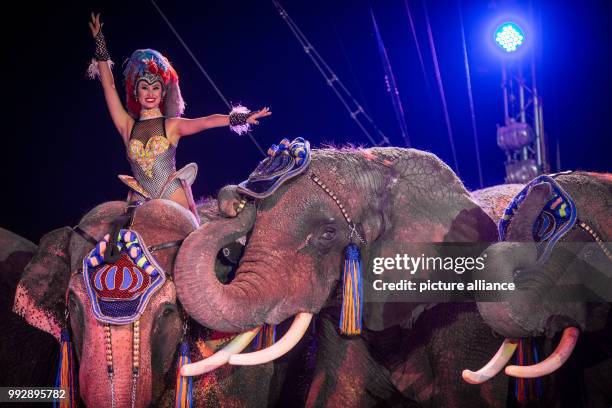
509 36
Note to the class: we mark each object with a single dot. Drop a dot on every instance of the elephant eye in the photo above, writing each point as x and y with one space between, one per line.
325 236
166 314
73 305
167 310
329 233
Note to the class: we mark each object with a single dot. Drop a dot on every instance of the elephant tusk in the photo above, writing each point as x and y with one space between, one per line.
287 342
552 362
221 357
494 366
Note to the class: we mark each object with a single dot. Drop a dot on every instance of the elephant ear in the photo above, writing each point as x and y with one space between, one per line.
521 226
15 253
11 243
472 225
41 293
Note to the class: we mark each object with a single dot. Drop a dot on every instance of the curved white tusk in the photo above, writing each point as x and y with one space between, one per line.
552 362
221 357
287 342
494 366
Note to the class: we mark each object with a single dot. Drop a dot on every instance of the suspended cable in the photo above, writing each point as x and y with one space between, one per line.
470 95
418 47
441 89
360 93
346 98
391 84
558 156
193 57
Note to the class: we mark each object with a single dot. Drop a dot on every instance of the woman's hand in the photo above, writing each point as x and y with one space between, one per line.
94 24
259 114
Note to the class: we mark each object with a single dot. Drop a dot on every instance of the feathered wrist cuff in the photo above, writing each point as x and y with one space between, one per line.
238 119
101 55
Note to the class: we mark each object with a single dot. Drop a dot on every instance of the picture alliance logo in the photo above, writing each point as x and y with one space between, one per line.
412 264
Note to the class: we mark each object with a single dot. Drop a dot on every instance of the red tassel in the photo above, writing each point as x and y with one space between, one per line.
527 389
520 382
65 377
265 338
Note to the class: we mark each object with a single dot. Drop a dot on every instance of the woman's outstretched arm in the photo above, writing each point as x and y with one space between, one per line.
179 127
122 120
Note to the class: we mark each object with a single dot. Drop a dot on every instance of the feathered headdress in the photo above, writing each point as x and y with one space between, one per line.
149 65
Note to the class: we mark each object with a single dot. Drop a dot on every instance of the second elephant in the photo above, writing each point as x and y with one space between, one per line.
292 264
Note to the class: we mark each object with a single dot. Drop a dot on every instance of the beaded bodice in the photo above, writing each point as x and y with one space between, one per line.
151 155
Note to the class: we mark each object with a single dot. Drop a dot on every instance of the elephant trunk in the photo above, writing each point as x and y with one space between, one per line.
227 308
502 310
94 383
541 303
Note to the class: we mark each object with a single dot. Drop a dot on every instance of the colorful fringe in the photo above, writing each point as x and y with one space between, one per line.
184 385
265 338
352 292
65 373
527 389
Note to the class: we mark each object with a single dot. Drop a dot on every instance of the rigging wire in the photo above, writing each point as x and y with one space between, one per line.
470 95
193 57
346 98
441 89
355 82
391 84
418 47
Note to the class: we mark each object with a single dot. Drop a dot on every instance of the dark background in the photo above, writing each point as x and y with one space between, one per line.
62 153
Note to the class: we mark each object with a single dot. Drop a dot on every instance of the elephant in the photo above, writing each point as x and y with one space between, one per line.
52 283
578 268
28 365
494 200
390 197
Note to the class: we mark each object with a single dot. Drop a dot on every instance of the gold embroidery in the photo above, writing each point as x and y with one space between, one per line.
133 184
145 155
150 114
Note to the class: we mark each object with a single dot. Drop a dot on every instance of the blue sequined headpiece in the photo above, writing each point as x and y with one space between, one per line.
557 217
284 162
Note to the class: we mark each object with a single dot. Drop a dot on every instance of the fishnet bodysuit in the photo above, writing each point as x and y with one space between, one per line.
152 156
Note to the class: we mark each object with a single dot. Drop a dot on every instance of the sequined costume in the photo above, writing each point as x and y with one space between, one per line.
152 157
149 151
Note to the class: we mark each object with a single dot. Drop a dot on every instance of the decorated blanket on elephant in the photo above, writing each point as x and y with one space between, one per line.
119 290
556 218
284 162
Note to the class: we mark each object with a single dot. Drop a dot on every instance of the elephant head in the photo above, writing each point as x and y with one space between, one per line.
296 237
53 283
558 292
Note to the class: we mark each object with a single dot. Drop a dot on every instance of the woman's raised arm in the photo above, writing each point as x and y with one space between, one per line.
122 120
179 127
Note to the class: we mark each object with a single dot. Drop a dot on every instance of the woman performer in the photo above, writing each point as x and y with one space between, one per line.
152 127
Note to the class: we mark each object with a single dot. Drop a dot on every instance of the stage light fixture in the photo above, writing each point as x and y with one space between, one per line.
509 37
